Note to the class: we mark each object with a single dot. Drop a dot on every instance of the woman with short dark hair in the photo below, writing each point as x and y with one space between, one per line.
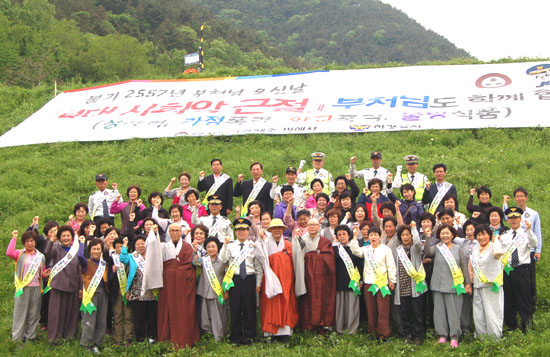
449 281
29 270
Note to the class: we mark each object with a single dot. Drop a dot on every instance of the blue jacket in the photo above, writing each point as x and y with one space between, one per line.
127 259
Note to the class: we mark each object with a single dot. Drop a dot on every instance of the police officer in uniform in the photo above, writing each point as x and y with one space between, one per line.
218 226
305 178
413 177
376 171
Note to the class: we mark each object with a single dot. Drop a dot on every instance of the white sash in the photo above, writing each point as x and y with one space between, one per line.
217 184
87 304
71 254
257 188
29 275
440 194
140 262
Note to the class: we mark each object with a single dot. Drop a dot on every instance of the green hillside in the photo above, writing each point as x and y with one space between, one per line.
342 32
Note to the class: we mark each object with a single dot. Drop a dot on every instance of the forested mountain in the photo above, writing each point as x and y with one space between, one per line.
98 40
327 31
107 40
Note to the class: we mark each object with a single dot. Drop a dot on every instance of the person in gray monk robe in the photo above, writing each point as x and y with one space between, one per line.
213 310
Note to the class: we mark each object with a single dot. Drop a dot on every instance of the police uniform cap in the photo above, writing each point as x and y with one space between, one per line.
411 159
318 156
376 155
240 223
512 212
100 177
215 199
291 169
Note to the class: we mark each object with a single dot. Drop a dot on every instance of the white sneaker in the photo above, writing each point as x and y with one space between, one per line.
95 350
151 340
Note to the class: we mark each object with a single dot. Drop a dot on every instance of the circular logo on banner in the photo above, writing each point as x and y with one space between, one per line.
493 80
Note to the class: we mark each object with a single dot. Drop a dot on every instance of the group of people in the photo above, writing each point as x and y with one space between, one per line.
314 253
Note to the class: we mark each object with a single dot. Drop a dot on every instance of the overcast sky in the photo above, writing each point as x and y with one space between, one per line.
487 29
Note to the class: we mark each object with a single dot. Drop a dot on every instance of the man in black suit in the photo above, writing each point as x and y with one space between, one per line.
217 184
433 196
255 189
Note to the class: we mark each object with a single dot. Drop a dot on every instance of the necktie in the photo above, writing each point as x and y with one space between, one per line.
515 256
412 179
316 172
213 224
375 172
242 267
105 208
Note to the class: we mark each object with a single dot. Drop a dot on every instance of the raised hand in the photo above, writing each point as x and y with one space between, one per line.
352 160
81 239
472 191
227 239
132 216
201 174
172 180
35 220
240 178
505 199
114 185
275 179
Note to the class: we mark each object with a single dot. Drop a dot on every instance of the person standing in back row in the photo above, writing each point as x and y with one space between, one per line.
412 176
217 184
99 203
317 172
433 196
374 172
257 188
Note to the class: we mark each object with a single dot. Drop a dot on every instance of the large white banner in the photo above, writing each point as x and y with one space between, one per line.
363 100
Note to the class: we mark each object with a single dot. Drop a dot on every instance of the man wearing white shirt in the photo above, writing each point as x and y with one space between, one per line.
299 191
412 176
218 225
376 171
521 197
99 203
317 172
517 282
247 281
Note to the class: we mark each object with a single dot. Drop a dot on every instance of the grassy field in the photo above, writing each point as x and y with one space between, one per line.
47 180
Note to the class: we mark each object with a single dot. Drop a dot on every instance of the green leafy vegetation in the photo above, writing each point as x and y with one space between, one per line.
352 31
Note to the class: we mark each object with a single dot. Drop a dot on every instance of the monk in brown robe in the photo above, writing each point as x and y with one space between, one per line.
177 319
315 279
279 314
